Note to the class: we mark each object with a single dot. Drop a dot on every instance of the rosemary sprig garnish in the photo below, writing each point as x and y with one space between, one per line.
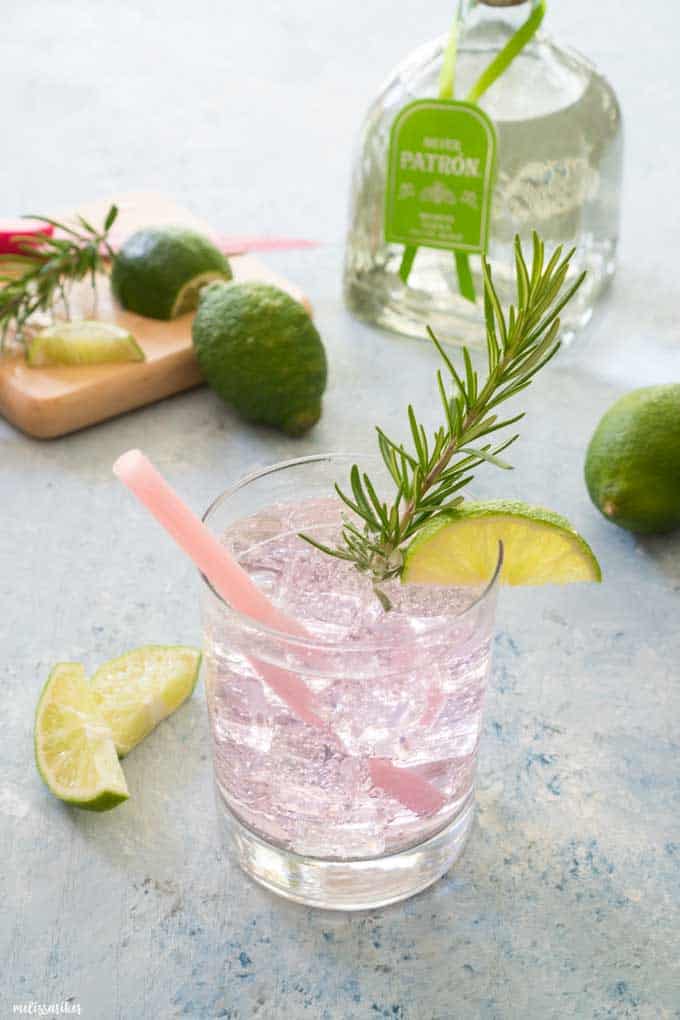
429 477
52 265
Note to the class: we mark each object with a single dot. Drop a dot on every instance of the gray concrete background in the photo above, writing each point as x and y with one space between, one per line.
566 901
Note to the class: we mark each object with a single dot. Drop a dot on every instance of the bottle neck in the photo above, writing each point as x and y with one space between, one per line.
510 13
496 33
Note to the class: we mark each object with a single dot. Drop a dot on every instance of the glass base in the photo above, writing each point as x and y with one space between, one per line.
352 884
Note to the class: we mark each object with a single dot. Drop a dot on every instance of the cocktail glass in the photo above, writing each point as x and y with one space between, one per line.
344 751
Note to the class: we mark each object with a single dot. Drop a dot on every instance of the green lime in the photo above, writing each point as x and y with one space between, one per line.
141 688
259 349
633 461
461 547
159 271
82 343
74 750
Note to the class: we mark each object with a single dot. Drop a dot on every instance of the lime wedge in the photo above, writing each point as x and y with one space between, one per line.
141 688
461 547
74 751
86 342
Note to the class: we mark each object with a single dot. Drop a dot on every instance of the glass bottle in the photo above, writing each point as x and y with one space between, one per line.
560 145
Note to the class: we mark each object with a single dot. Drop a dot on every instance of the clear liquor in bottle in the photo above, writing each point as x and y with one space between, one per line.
560 146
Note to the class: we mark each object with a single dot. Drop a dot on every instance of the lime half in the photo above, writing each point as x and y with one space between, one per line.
86 342
74 751
159 271
461 547
141 688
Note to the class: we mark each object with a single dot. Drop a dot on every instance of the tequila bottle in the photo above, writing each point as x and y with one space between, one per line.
559 144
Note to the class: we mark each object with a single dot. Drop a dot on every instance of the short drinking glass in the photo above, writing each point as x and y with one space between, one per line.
345 745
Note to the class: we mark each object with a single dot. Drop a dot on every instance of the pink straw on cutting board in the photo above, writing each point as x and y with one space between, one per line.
232 582
230 244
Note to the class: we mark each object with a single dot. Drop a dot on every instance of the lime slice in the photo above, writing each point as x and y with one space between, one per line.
461 548
159 271
74 751
85 342
141 688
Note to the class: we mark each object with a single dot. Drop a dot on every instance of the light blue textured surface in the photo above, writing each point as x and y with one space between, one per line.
565 903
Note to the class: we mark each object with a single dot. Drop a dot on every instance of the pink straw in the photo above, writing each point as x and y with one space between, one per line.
232 582
228 578
235 244
230 244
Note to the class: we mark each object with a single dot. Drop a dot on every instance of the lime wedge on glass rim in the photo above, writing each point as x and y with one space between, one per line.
83 342
74 750
461 547
136 691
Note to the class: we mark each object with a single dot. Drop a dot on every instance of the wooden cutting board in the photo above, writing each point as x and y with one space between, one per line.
50 402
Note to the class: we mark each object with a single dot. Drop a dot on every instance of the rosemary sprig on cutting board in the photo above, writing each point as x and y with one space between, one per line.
51 266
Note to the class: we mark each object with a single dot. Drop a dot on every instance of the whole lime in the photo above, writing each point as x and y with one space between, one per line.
159 271
259 349
633 461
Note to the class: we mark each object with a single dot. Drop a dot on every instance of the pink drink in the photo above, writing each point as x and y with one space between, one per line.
403 689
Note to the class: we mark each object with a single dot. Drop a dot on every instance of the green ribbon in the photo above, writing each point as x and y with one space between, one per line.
447 80
512 48
447 76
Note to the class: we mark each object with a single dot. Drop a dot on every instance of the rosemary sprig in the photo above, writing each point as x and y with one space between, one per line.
52 265
430 476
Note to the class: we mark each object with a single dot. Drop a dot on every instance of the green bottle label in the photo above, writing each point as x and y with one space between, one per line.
440 176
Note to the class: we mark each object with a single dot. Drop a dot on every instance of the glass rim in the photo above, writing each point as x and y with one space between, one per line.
314 642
